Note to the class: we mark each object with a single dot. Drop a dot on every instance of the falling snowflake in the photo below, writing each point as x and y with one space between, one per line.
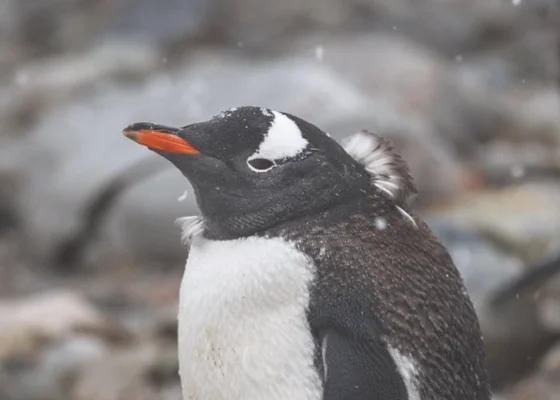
182 197
380 223
319 53
21 78
517 171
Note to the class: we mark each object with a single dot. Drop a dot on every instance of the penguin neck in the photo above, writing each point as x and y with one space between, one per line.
325 219
357 214
273 218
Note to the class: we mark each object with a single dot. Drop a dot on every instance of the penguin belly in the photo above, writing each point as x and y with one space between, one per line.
243 328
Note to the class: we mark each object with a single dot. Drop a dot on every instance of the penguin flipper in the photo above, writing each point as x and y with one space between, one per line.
355 361
359 370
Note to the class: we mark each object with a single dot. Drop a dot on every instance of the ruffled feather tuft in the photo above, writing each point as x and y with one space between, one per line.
389 172
191 227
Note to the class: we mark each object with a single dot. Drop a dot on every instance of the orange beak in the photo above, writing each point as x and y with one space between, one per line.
159 140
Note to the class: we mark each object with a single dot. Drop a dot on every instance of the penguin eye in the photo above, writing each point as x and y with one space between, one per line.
260 164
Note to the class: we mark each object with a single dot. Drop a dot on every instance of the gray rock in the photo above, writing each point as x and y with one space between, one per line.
542 383
10 179
160 24
44 27
258 23
550 301
20 381
8 34
47 375
141 222
140 372
69 356
525 219
534 115
45 83
520 34
68 168
483 267
33 29
515 334
517 34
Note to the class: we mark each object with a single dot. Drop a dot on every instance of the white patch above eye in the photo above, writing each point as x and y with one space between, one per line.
283 139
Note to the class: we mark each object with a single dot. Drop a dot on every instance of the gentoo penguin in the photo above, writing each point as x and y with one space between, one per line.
308 277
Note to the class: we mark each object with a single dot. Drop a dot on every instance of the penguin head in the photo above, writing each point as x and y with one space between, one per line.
253 168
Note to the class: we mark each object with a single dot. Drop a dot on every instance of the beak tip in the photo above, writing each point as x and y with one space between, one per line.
162 138
132 135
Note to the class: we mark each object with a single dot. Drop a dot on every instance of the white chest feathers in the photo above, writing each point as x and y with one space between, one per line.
243 331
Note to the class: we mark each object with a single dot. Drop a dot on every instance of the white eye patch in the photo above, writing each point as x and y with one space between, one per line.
283 139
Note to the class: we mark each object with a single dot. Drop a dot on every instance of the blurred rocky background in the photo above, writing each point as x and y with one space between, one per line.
90 258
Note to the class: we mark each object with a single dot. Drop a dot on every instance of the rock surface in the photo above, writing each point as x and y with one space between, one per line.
544 384
524 219
26 325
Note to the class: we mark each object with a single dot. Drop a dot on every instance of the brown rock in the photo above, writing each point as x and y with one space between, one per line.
25 324
137 373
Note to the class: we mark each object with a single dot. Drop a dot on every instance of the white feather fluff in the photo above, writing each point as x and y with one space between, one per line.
389 173
191 227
